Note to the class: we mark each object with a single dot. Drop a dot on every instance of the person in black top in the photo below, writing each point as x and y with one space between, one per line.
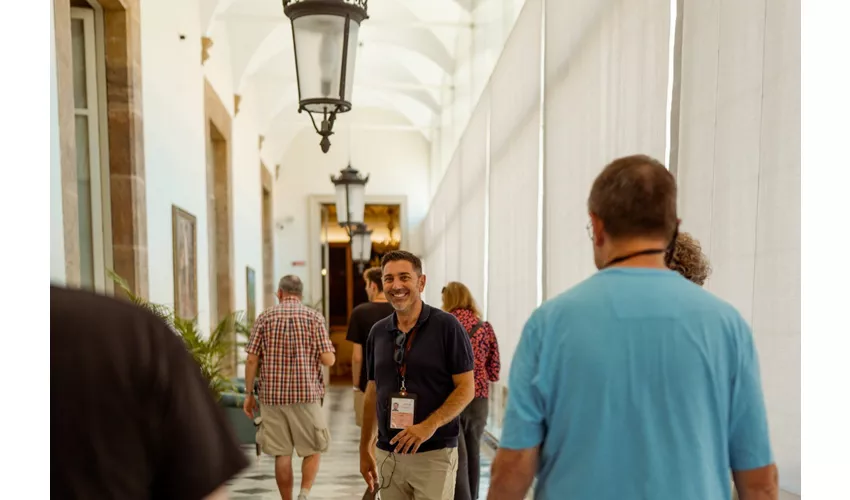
131 416
420 361
363 317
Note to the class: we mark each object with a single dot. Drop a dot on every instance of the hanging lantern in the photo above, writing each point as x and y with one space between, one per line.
350 197
361 246
325 37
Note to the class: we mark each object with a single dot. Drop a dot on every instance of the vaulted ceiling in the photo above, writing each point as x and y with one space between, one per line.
406 57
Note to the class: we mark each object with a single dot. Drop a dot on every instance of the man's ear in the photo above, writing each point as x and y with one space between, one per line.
598 230
422 280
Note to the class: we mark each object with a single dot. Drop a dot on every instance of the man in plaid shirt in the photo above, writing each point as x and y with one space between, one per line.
293 343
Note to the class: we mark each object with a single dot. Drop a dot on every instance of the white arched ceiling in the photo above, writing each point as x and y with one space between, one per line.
406 56
407 113
284 132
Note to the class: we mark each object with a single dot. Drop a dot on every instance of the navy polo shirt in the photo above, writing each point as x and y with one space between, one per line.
440 349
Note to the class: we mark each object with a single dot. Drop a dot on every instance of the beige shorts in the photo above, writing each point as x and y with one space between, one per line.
424 476
358 408
298 427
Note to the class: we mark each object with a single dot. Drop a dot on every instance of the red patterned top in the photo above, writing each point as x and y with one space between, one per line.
289 339
485 349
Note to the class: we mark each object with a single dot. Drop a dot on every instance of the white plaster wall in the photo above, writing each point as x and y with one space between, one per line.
477 51
175 150
57 235
397 162
739 177
247 204
217 67
175 147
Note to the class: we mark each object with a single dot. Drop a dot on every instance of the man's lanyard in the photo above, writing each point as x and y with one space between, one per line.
402 369
630 256
668 252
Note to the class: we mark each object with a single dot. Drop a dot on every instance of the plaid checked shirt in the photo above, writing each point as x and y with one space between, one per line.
289 338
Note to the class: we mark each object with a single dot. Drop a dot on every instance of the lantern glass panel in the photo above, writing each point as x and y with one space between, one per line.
340 204
361 246
357 202
319 47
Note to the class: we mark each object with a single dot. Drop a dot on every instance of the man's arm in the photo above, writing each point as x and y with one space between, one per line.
252 364
355 336
325 347
368 437
757 484
458 400
522 435
512 473
356 365
750 454
369 431
410 439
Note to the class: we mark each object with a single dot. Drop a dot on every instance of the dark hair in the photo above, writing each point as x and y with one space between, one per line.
635 196
397 255
373 275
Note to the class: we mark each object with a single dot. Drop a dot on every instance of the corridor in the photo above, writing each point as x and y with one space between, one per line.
339 476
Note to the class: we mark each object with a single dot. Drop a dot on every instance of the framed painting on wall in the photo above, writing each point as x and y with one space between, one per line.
184 232
251 288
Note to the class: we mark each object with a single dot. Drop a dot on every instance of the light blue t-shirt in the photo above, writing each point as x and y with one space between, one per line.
637 384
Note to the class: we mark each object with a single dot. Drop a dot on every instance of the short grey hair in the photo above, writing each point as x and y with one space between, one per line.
291 285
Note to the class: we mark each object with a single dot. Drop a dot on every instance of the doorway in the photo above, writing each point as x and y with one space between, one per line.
220 216
346 288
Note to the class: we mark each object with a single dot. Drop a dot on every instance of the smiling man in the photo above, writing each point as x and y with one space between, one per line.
419 363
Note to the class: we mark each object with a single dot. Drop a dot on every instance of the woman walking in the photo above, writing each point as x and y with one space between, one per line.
458 301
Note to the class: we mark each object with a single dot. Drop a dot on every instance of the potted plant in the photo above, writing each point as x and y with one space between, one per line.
209 352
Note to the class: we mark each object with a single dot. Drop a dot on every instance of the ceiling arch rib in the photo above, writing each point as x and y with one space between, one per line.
372 73
284 131
255 51
210 11
285 106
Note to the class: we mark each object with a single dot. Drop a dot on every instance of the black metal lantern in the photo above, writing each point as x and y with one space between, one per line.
325 34
361 246
350 198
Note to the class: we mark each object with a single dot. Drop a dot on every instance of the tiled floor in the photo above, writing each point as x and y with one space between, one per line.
339 474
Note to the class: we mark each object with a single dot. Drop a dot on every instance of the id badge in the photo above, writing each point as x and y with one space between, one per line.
402 408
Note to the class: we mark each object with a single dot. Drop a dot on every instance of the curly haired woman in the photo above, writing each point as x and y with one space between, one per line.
689 260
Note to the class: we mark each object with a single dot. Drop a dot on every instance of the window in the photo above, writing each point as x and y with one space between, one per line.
91 182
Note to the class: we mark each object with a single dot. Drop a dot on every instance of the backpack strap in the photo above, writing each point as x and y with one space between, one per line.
475 328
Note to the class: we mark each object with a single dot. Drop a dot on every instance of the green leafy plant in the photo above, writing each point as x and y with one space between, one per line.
210 352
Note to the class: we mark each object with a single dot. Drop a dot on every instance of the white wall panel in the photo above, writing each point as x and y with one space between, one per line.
739 179
514 156
606 97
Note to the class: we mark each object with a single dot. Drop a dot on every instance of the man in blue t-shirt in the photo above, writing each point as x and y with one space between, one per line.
636 383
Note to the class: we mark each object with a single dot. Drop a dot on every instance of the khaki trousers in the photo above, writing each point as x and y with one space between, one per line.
297 427
422 476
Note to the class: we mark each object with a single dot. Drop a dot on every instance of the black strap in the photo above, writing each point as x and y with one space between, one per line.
475 328
626 257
